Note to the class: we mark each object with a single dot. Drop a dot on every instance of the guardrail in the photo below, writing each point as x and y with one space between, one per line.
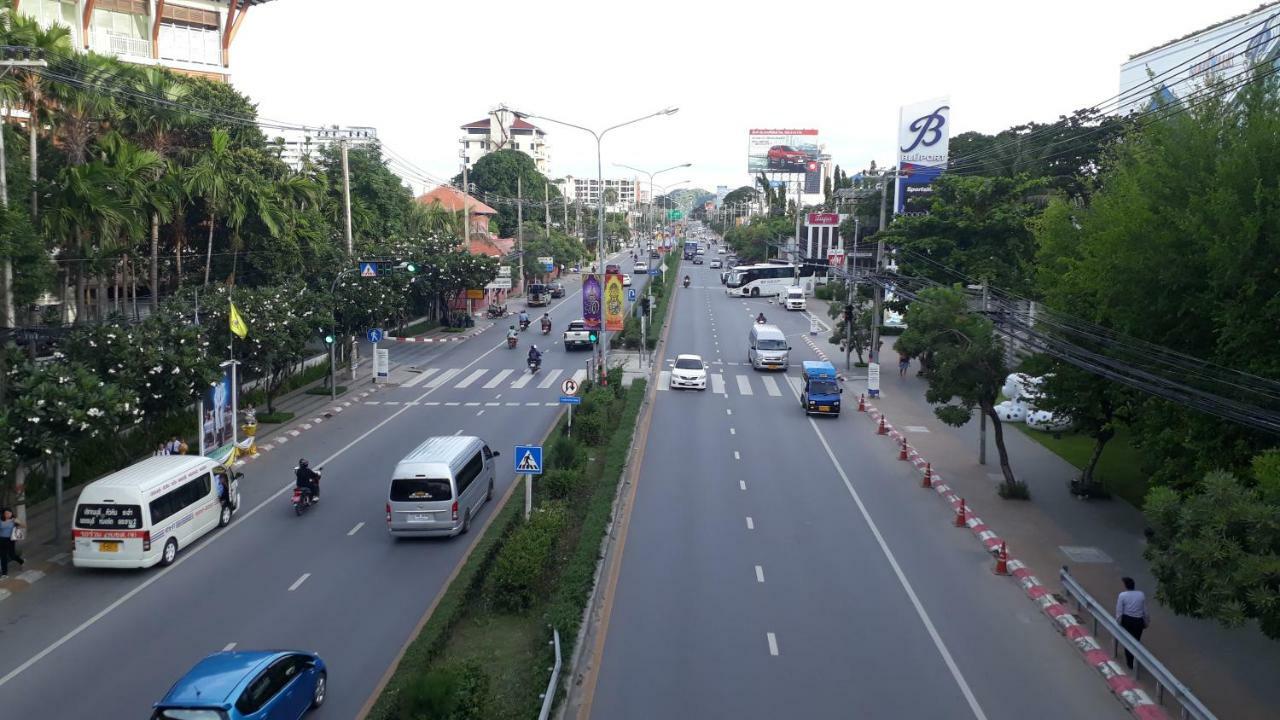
1190 705
549 697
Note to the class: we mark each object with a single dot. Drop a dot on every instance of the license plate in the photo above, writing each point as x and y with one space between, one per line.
109 546
824 408
424 517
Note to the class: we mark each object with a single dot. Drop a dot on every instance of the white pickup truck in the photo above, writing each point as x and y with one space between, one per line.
577 335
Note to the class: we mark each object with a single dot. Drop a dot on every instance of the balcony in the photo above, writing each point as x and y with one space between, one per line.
109 43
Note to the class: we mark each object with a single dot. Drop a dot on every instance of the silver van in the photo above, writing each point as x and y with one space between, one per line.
767 348
439 487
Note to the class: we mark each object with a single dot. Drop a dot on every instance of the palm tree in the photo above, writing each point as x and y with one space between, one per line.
82 112
55 43
211 178
80 207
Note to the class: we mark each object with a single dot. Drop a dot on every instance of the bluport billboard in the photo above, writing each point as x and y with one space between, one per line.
923 143
782 150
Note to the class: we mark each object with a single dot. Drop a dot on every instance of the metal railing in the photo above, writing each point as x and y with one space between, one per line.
117 44
1166 683
549 697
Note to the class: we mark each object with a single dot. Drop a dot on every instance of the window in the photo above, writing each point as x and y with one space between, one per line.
109 517
188 714
688 364
823 387
179 499
266 686
421 490
190 43
470 472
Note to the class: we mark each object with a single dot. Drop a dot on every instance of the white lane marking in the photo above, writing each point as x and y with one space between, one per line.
393 402
472 404
372 402
444 377
773 644
229 647
498 396
750 524
771 386
796 385
355 529
915 429
736 456
759 574
733 431
452 404
744 385
281 440
466 382
524 380
513 404
478 414
717 383
532 404
664 380
497 379
297 583
419 377
186 556
551 404
579 376
742 484
550 378
728 411
492 404
902 578
295 433
457 432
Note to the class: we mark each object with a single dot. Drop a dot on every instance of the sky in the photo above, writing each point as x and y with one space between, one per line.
417 69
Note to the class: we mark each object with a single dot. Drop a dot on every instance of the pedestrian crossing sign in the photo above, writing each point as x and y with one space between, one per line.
528 459
368 269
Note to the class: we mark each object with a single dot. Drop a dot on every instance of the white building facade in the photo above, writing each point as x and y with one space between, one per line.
503 130
589 192
297 146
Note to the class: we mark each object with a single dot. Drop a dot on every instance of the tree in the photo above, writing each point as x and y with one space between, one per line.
495 177
210 179
55 42
861 327
743 194
967 369
1215 549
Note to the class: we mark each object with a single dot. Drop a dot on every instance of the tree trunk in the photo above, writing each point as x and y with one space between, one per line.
82 293
998 430
33 124
208 255
155 263
133 285
100 304
1099 442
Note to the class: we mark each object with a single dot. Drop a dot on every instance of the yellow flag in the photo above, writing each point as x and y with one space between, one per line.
238 325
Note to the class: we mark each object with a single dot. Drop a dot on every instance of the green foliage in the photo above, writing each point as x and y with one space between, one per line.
520 570
563 453
560 483
275 417
452 691
742 194
496 174
55 405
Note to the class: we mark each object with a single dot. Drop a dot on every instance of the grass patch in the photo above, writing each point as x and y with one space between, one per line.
1119 469
420 327
278 416
455 330
322 390
258 396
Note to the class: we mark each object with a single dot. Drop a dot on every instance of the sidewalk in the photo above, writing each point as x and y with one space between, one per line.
1231 671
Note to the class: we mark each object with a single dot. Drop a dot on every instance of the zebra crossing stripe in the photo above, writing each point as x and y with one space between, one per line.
524 380
771 386
443 377
551 378
579 376
744 385
497 379
717 383
419 377
471 378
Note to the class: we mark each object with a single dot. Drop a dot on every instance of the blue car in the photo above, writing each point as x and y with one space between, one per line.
247 685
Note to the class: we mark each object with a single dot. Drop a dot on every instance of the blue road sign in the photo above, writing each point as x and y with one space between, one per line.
653 271
631 294
375 335
549 267
570 400
368 269
528 459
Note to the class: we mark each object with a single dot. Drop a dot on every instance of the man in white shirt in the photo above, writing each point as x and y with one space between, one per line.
1131 611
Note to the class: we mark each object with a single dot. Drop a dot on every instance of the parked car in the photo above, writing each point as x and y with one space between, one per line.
557 289
265 684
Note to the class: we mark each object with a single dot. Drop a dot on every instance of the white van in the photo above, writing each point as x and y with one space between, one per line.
439 487
767 348
145 513
794 299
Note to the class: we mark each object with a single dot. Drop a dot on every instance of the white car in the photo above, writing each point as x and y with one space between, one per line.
689 372
641 267
626 280
794 299
715 264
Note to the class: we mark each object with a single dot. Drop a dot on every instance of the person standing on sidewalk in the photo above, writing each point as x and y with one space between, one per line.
904 362
1131 611
10 530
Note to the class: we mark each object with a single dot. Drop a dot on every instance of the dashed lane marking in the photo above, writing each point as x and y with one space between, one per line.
751 525
298 583
760 574
355 529
773 644
229 647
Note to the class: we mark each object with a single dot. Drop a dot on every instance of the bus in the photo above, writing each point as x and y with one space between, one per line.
690 249
769 278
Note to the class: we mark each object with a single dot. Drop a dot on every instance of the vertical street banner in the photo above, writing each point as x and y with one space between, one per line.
592 301
217 419
923 142
614 307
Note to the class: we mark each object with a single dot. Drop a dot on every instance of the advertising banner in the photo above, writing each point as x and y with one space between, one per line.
782 150
217 419
614 307
592 301
923 142
824 219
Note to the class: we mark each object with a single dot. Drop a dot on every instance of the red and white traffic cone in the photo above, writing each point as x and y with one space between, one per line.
882 430
927 482
862 403
1002 560
902 452
961 514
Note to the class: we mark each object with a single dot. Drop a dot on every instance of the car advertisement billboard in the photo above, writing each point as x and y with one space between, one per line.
782 150
923 142
592 301
614 308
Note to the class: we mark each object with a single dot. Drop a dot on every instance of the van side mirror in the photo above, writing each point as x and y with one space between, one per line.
496 453
237 475
841 391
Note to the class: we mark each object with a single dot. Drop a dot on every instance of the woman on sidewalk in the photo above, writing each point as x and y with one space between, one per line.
9 525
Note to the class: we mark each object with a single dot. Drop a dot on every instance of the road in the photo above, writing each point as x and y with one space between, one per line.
331 581
777 566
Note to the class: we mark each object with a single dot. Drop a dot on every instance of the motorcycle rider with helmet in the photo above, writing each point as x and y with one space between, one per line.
308 479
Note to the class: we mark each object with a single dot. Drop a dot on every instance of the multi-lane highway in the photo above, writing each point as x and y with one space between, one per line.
777 566
99 644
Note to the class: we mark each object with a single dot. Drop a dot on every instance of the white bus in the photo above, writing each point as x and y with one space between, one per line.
767 279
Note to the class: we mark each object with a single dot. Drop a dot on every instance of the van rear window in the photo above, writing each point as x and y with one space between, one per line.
109 517
420 490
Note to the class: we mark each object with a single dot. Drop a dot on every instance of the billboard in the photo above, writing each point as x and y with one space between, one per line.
614 308
1179 69
592 301
923 142
782 150
217 418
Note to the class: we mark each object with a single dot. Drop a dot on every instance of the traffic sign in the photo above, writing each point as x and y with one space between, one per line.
569 386
368 269
375 335
653 271
570 400
528 459
631 294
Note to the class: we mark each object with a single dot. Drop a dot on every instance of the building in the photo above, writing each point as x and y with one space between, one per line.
588 192
188 36
455 200
298 145
1180 68
502 130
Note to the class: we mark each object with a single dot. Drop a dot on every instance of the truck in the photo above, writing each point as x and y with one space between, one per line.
690 249
576 335
821 393
539 295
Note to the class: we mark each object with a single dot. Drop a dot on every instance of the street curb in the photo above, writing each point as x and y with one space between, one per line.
1134 698
443 339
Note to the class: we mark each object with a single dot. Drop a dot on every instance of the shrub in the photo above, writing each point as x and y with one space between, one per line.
276 417
588 427
455 691
615 381
561 483
521 567
563 453
886 330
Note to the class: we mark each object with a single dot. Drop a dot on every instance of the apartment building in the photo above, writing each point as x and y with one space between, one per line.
187 36
588 191
503 130
296 146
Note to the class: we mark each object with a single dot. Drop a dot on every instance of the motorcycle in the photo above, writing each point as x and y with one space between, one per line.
546 328
535 365
512 341
496 311
686 282
524 325
302 499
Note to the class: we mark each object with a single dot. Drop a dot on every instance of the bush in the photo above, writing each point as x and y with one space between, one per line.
561 483
886 330
563 454
521 566
275 417
588 427
456 691
1014 491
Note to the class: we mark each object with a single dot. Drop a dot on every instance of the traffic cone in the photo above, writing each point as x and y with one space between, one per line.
927 482
862 403
902 452
882 430
961 514
1002 560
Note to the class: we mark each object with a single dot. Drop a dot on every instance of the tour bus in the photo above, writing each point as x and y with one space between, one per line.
767 279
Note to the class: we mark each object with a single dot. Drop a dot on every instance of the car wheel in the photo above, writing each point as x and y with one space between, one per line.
321 691
225 518
489 495
170 552
466 523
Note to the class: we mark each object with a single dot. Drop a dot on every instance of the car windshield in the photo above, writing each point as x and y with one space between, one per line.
823 387
420 490
188 714
688 364
768 344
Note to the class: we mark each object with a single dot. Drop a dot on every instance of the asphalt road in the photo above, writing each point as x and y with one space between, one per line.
778 566
107 644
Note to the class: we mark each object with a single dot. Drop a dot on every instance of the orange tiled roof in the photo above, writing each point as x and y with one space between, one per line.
453 200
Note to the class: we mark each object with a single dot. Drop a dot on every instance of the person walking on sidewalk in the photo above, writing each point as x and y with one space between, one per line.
904 362
1131 611
10 532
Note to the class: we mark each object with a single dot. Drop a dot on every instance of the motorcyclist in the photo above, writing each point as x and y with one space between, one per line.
760 319
546 321
535 357
308 479
686 280
524 319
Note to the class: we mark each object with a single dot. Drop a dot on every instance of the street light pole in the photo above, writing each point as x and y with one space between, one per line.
649 225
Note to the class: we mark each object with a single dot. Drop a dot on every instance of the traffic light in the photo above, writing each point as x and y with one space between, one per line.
328 339
593 336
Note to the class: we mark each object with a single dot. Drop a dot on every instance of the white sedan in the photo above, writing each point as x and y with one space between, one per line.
689 372
626 280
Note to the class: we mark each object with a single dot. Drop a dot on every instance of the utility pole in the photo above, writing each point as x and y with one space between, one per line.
851 279
520 231
982 417
466 205
546 209
346 217
877 308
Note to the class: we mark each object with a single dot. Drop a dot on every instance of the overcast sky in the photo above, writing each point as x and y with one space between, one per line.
418 69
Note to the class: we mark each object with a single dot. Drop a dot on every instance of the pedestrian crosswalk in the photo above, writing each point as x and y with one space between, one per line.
743 384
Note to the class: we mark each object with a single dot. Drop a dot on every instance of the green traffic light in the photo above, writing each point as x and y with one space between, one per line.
593 336
328 339
411 267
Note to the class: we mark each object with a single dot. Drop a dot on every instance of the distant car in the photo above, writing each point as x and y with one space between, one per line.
721 250
697 259
258 684
716 264
689 372
557 289
626 280
785 156
653 254
641 267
